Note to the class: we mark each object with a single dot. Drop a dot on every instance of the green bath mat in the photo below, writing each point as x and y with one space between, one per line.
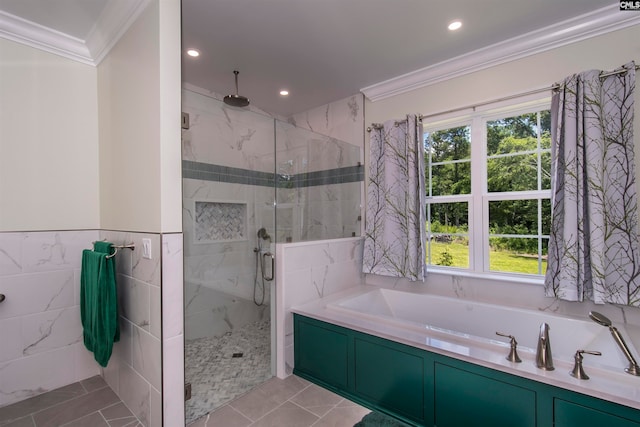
376 419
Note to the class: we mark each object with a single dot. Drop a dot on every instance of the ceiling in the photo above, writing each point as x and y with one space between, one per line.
324 50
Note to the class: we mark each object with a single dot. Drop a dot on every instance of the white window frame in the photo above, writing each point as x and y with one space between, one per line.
480 196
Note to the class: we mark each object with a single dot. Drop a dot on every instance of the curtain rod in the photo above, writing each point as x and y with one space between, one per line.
506 98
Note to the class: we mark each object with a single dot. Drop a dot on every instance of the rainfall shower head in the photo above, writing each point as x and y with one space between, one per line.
236 100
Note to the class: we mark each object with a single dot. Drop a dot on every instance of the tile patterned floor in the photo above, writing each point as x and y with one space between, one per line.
216 376
88 403
292 402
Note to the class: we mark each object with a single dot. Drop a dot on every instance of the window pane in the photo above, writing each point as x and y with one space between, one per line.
447 234
448 218
512 173
517 261
512 134
449 251
451 178
449 144
545 129
545 159
513 217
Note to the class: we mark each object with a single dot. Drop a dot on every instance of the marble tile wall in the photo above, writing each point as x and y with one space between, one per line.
306 272
42 346
134 370
343 120
227 136
219 276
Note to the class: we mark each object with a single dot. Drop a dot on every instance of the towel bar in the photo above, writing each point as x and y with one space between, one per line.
116 247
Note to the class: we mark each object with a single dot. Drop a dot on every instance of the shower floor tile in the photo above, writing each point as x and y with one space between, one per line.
223 368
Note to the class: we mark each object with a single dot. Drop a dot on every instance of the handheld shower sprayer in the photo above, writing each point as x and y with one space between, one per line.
603 320
262 234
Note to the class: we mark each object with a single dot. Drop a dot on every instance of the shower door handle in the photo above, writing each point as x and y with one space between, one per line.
270 255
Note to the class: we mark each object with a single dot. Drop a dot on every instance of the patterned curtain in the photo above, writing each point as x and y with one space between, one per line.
593 247
395 215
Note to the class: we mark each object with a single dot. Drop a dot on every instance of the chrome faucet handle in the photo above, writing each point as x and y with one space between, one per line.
578 371
513 354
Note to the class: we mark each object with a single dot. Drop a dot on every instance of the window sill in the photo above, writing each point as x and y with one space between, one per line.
492 276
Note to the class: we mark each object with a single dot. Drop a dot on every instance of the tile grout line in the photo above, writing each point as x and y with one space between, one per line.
327 413
293 403
268 412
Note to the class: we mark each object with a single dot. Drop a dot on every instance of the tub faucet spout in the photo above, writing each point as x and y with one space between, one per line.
543 354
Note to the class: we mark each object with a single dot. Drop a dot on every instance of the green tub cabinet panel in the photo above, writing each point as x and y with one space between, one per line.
320 351
464 398
390 375
570 414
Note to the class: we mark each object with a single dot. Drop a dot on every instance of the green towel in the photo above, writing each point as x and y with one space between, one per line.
99 302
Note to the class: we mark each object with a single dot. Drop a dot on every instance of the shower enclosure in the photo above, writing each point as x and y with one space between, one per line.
249 182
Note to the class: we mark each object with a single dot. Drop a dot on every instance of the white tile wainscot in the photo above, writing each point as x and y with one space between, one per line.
306 272
40 319
134 370
172 332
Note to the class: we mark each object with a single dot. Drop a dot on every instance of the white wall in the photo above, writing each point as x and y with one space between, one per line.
48 141
139 109
139 85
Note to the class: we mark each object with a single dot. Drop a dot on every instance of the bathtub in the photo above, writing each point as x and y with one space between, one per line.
467 331
479 322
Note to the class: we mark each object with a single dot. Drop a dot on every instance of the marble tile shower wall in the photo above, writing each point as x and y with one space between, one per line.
320 212
226 136
343 119
40 327
309 271
134 370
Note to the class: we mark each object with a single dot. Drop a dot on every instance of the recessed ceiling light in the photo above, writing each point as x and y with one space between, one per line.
193 53
454 25
284 92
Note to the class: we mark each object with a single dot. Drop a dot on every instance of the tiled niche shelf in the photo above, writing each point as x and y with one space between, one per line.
217 221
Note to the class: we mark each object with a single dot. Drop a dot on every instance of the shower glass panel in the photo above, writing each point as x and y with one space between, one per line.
228 197
249 182
318 186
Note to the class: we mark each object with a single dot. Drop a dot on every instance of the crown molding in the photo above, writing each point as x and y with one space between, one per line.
579 28
37 36
112 23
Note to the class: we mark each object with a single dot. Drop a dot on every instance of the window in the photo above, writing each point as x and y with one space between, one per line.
488 191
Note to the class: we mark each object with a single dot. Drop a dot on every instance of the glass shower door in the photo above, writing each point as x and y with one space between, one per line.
228 224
